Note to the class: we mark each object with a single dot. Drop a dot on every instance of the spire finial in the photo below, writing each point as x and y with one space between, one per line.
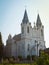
37 11
25 7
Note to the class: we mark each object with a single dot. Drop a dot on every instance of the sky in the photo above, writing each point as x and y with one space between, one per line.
12 12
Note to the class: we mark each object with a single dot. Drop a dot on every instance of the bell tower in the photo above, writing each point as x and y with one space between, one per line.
40 26
25 25
25 18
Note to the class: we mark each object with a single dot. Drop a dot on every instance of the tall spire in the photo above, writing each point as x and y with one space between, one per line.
38 23
25 18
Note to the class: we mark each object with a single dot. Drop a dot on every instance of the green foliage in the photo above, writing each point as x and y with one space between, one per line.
1 46
28 57
15 64
20 57
43 59
34 63
33 57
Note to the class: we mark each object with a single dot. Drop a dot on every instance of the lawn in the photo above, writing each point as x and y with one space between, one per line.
17 64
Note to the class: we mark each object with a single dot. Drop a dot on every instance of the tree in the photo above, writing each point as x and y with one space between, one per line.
28 57
20 57
1 46
43 59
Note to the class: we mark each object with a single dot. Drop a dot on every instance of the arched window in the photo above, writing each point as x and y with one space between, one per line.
36 41
22 30
27 29
41 32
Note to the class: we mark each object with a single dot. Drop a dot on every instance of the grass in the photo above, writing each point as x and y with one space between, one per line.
17 64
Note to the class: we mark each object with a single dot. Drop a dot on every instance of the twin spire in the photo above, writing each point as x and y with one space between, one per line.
38 23
26 20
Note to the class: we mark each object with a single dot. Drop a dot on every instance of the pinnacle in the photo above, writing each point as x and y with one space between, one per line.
25 18
38 23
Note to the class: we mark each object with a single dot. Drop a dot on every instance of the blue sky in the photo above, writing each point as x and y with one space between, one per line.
11 15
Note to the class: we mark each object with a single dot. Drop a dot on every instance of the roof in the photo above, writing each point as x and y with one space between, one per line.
17 37
25 18
38 23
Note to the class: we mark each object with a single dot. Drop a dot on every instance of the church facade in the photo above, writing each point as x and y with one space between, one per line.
29 41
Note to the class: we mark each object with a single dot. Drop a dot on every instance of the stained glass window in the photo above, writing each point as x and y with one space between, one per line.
27 29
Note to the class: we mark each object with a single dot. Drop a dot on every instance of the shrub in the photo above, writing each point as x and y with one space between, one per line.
28 57
20 57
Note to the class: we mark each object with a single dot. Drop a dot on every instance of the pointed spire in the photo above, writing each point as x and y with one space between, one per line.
38 23
25 18
9 37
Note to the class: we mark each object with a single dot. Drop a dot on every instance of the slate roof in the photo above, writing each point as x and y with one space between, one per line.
25 18
17 37
38 23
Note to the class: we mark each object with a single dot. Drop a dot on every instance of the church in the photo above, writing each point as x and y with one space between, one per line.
29 41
